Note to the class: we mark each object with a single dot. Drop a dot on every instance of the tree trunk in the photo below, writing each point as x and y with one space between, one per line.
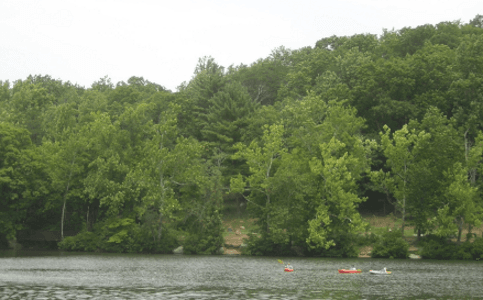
404 202
267 175
384 206
87 219
160 228
469 232
472 175
163 195
460 229
65 200
403 215
63 212
268 214
62 221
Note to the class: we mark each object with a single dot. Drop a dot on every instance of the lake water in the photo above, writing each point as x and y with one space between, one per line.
57 275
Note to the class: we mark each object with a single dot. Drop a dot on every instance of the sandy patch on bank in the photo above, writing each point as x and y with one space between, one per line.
234 238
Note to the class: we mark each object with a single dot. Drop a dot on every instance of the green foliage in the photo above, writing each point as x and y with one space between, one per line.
434 247
460 207
262 160
477 21
3 241
23 182
120 236
477 248
316 159
344 244
226 119
402 150
225 123
264 77
409 40
366 239
339 161
208 238
84 241
391 245
208 80
265 245
301 78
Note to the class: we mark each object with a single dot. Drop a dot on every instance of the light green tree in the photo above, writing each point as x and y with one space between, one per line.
66 167
461 205
337 202
401 150
169 173
262 159
326 138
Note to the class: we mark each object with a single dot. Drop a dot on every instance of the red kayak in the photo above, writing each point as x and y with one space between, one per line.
288 270
349 271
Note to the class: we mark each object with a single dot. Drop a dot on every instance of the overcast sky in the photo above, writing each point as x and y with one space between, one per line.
81 41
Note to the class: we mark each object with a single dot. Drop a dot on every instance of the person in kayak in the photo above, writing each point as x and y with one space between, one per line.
353 268
288 266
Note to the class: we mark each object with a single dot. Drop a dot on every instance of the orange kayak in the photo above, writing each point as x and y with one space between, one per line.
349 271
288 270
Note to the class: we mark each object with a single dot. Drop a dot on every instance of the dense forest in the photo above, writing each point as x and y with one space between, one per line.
305 139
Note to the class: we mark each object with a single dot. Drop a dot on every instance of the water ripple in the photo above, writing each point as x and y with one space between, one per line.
111 276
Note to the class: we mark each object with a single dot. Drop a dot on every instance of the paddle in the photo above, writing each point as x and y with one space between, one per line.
285 266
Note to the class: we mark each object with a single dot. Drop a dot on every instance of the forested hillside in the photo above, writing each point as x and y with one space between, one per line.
304 138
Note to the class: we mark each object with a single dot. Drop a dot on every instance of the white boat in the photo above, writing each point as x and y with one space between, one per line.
380 272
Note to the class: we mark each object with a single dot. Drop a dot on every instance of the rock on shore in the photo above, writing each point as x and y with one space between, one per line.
178 250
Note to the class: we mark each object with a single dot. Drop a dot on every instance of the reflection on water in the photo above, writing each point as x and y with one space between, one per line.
57 275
